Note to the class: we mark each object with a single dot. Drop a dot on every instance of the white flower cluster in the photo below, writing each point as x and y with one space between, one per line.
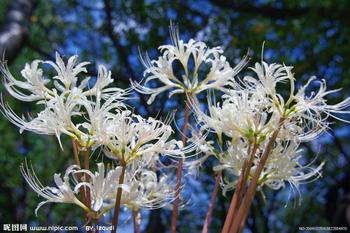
254 113
251 113
192 56
64 100
141 189
93 114
106 121
253 124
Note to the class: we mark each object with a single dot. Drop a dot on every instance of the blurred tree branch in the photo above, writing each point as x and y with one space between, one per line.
15 28
272 12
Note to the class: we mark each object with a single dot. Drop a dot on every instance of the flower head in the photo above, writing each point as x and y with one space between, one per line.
242 114
62 193
71 98
67 73
219 75
283 166
313 112
127 136
306 115
147 190
142 188
255 112
102 185
34 82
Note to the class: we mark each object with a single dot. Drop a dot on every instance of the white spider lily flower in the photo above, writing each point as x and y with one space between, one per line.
102 185
65 80
55 119
67 73
60 114
269 75
147 190
241 114
62 193
306 117
66 101
142 188
233 158
127 136
312 112
34 83
220 72
283 166
251 112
